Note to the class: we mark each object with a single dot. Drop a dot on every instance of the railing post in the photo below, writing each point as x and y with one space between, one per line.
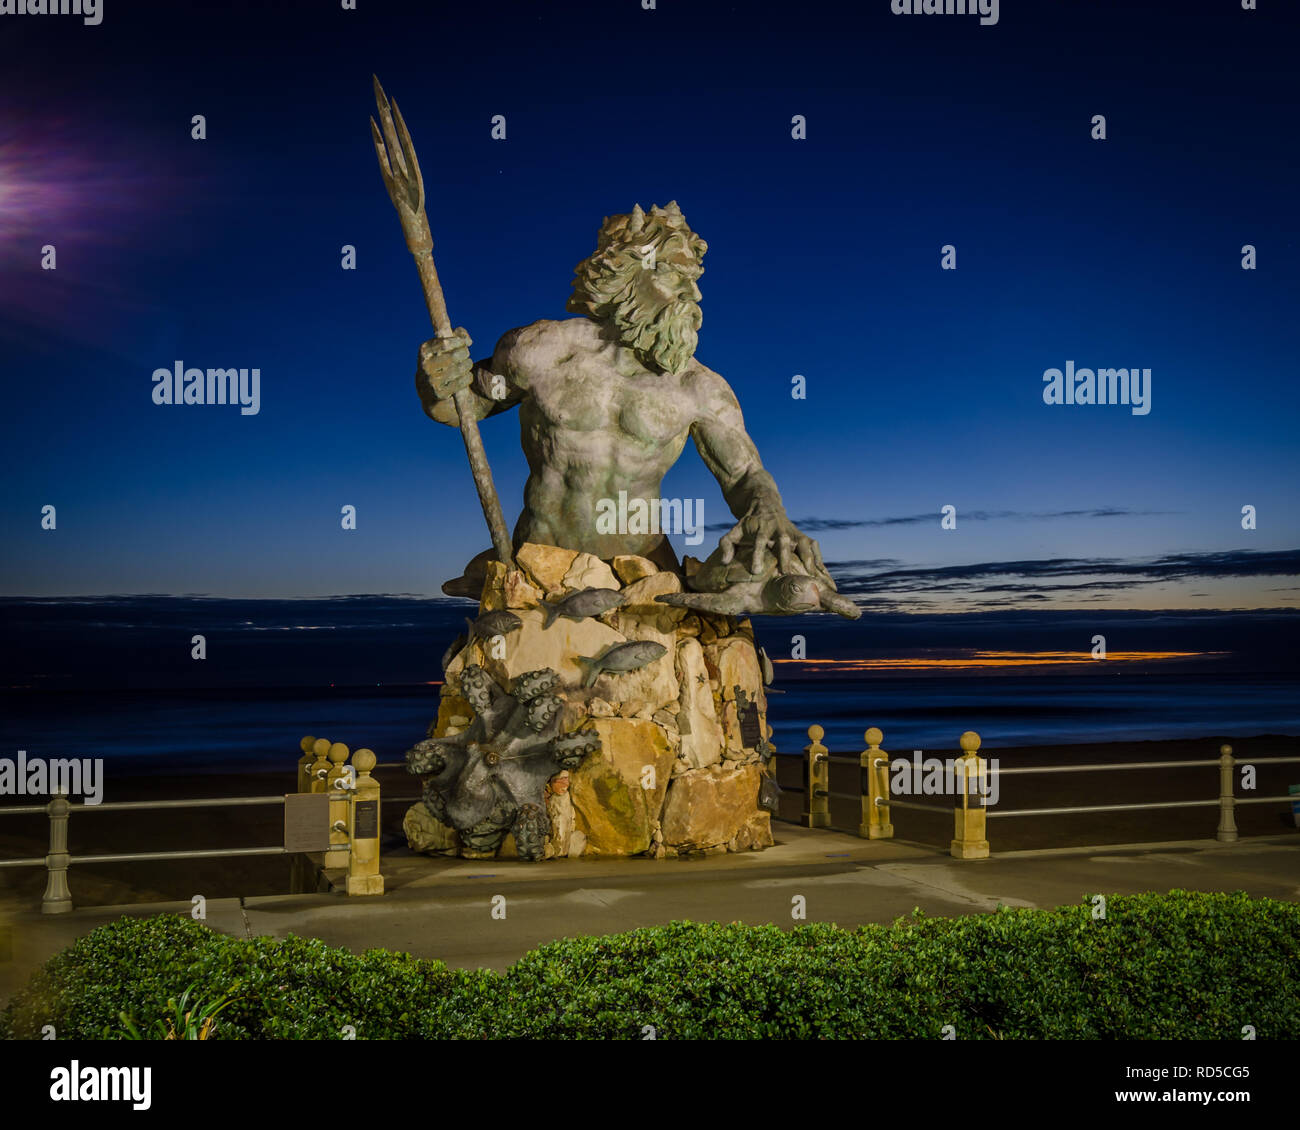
875 784
340 808
363 829
817 777
58 898
968 840
1227 832
308 747
320 767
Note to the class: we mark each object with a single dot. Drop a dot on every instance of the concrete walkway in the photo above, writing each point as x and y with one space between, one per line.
442 908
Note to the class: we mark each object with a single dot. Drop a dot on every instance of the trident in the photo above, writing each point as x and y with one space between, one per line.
401 173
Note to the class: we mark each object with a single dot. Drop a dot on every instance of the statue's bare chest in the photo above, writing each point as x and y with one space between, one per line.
590 394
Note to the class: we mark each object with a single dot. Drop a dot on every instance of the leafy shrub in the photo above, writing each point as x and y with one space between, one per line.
1185 965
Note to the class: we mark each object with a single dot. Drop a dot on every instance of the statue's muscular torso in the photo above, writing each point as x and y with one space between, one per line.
593 421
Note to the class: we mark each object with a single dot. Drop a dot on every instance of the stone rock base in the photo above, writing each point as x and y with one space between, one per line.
684 739
708 807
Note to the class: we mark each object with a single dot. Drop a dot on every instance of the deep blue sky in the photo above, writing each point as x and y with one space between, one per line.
924 385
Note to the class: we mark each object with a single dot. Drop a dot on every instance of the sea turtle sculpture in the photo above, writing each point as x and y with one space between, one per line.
730 588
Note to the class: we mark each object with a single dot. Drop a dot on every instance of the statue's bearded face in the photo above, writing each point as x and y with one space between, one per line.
641 278
660 318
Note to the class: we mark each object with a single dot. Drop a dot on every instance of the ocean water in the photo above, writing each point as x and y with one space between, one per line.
225 730
1013 710
114 678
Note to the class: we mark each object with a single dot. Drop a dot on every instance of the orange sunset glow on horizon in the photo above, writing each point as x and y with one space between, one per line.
976 659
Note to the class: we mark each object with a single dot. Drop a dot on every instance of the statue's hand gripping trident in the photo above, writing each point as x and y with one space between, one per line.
401 173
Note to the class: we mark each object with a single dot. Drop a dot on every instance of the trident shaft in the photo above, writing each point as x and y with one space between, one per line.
401 173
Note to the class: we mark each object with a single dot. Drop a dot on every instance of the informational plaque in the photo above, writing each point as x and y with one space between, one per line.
751 734
367 826
306 822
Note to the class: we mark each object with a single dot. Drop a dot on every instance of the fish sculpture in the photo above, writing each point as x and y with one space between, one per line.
493 624
582 605
622 658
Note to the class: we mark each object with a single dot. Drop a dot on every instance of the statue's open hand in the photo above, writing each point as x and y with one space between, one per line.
444 367
766 528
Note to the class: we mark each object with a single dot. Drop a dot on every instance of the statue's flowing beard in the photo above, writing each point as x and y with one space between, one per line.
664 341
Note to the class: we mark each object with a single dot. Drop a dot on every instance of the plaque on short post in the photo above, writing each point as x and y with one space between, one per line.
306 822
367 820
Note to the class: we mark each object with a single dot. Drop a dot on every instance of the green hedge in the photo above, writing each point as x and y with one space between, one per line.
1185 965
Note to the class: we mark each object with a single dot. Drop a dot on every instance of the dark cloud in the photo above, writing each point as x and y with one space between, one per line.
1064 574
820 525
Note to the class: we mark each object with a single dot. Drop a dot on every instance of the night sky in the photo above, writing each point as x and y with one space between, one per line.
924 385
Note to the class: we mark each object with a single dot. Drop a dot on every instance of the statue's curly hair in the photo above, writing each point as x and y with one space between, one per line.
603 281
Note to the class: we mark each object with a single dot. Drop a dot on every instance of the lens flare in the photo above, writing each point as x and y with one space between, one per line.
62 186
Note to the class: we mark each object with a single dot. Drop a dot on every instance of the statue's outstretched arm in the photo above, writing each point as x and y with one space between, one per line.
731 456
751 493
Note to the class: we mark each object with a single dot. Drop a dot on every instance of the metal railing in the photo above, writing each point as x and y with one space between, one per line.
323 769
311 778
970 806
58 895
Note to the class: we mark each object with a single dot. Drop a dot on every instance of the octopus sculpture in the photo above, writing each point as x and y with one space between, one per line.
490 779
